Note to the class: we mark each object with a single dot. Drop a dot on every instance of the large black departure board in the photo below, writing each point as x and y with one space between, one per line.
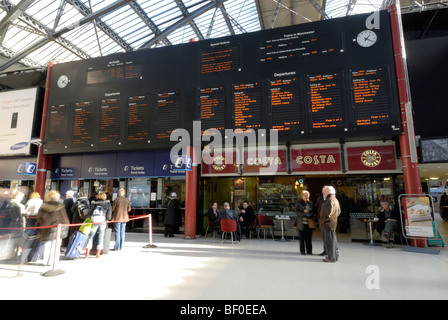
323 81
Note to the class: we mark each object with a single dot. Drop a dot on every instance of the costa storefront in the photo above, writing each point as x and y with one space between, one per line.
362 172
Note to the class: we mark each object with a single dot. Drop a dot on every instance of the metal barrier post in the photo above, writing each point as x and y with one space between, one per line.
53 271
150 245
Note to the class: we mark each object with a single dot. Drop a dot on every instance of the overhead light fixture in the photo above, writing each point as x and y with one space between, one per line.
434 178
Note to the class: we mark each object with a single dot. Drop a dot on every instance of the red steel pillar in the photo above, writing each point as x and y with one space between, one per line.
191 183
44 162
408 148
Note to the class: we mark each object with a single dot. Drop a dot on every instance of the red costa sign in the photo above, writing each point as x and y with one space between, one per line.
371 158
253 163
311 160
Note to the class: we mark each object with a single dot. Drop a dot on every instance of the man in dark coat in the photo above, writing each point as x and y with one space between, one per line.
248 215
173 216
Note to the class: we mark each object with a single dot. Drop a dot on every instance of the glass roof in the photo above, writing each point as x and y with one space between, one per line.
35 32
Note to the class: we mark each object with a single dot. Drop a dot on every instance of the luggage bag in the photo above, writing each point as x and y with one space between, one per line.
76 245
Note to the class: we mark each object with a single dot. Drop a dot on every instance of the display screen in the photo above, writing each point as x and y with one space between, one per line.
57 124
85 124
114 73
220 59
308 82
212 103
169 113
247 106
326 99
287 112
138 119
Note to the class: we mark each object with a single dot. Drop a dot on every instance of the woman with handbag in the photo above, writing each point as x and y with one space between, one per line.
305 223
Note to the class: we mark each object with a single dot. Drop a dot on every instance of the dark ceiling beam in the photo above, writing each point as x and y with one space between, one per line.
84 10
148 21
193 25
181 23
54 36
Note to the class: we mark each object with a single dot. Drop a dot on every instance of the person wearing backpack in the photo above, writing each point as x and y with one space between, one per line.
80 211
100 211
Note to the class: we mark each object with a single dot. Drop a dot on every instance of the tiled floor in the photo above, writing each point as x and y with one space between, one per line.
252 269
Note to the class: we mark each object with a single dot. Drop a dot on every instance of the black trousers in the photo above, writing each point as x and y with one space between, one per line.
306 236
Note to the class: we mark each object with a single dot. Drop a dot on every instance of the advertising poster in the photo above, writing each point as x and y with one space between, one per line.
16 121
418 219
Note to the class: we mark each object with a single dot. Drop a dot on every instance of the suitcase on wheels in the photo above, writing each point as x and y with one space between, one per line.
106 241
76 245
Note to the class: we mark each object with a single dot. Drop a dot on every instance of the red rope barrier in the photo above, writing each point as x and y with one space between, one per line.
75 224
59 226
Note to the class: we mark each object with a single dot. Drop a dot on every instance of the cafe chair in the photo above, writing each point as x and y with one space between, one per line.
264 223
228 225
215 227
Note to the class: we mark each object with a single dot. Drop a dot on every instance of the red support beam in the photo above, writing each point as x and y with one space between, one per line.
44 162
191 184
411 173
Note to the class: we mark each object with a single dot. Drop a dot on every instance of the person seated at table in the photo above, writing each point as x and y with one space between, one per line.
213 215
388 221
248 217
227 213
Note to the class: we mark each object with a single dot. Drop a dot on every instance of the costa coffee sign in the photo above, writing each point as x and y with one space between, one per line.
371 158
312 160
257 163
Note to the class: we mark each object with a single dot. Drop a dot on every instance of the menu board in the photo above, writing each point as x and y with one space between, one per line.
138 119
326 100
57 124
286 110
110 117
169 113
212 104
85 124
219 59
371 98
247 106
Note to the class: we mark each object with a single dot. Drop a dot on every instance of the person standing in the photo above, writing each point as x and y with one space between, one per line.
32 208
305 213
120 208
172 216
248 215
51 213
17 212
100 211
328 221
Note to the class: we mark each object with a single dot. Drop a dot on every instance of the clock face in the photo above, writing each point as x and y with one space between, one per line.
63 81
366 38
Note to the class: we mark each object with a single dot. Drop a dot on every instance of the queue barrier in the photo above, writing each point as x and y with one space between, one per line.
60 226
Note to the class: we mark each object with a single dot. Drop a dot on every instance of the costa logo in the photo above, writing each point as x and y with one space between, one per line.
371 158
219 163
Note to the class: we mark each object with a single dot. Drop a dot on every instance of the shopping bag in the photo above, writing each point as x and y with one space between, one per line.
86 227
